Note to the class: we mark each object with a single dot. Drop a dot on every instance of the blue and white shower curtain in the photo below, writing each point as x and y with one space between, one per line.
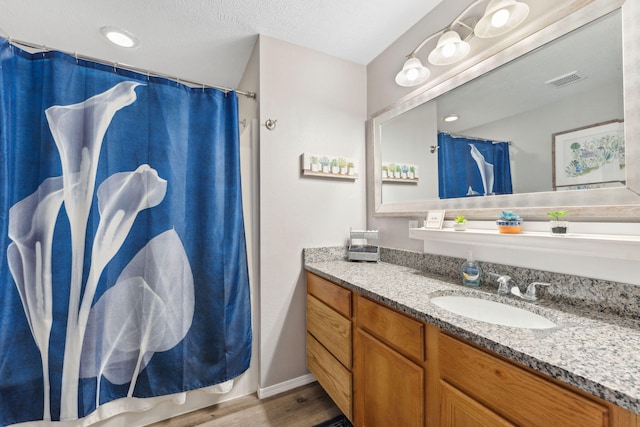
472 167
123 263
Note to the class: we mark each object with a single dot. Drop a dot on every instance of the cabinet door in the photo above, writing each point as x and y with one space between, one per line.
389 388
459 410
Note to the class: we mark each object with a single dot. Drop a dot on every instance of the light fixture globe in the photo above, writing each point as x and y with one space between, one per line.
500 17
449 49
413 73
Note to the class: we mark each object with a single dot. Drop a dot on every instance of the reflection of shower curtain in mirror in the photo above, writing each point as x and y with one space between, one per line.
123 269
472 167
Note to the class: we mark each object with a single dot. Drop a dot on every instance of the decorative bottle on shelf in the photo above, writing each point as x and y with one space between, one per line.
471 272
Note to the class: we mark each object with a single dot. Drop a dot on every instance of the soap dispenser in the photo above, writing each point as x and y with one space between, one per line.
471 272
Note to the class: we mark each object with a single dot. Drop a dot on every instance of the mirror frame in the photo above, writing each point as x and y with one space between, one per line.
606 204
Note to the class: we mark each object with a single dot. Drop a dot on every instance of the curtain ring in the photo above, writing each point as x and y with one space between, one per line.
75 54
202 87
115 67
148 75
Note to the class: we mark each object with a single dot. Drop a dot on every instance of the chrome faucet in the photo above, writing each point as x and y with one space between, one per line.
503 283
530 294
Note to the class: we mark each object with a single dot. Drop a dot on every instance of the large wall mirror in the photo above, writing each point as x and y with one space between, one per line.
566 84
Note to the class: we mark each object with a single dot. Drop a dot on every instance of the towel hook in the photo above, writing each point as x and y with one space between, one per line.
270 124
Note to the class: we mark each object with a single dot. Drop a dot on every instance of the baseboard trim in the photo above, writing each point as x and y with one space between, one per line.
285 386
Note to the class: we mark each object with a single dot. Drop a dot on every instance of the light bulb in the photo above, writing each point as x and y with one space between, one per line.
500 18
412 73
448 50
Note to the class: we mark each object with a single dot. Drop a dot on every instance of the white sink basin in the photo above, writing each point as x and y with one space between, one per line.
492 312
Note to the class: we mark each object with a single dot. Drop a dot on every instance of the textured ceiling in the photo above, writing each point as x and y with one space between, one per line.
210 41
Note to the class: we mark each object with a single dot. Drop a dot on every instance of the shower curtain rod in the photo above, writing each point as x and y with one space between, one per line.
116 65
457 135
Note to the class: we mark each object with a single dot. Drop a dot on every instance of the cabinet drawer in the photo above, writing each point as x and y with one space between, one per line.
329 293
401 332
513 392
330 328
334 378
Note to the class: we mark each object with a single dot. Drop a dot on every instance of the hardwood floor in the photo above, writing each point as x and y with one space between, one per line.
302 407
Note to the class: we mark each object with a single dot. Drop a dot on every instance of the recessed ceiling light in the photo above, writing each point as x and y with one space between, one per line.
119 37
451 118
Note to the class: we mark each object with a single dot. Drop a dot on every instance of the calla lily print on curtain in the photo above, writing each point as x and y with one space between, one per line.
124 270
469 167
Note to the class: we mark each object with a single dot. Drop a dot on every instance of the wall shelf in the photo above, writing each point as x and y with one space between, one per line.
323 166
306 172
625 247
401 180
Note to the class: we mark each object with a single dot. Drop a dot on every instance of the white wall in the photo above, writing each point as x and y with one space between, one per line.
319 103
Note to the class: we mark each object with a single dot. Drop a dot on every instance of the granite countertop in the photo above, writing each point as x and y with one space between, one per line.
599 356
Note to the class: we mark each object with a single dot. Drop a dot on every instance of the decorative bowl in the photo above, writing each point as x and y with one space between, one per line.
509 227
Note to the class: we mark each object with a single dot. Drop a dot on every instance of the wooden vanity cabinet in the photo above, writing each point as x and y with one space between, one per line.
389 377
478 388
385 368
329 339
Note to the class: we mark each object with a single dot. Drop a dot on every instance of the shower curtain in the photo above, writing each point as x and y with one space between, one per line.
472 167
123 263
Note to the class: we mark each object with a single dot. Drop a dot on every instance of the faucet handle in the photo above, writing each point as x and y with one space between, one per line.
531 290
503 284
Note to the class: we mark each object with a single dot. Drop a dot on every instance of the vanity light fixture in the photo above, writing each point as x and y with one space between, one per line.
119 37
413 72
500 17
450 49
